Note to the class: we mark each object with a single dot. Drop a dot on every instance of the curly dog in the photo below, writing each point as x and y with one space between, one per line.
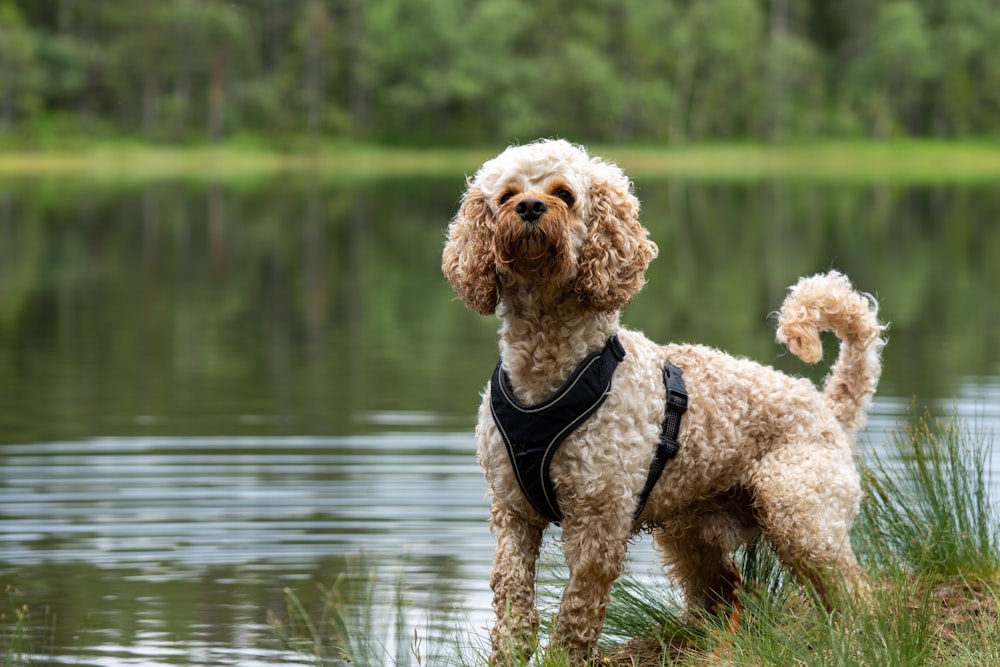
549 239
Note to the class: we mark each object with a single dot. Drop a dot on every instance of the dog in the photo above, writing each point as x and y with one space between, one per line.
548 238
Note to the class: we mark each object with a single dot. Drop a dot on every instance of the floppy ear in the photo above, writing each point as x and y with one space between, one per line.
469 261
613 260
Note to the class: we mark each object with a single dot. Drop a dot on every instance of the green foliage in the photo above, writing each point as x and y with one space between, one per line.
929 511
360 621
19 67
423 71
893 628
904 621
21 634
321 295
929 533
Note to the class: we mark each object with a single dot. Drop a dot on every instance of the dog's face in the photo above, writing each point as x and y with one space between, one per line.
546 216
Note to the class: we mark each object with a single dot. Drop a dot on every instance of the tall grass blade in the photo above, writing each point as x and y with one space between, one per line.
365 623
928 510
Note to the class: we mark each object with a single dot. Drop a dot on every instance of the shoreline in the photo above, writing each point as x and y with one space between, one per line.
908 161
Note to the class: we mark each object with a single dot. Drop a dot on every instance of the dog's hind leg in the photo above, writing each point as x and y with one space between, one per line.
699 559
514 633
806 506
697 544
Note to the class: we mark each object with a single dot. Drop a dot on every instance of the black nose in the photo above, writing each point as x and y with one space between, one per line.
530 209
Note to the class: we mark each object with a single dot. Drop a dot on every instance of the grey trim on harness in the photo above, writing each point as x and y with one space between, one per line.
532 433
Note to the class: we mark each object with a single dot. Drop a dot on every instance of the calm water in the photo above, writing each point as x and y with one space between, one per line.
210 393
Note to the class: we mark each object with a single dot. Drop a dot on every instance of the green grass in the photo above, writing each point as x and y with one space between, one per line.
363 623
23 637
132 161
927 534
909 161
928 512
903 162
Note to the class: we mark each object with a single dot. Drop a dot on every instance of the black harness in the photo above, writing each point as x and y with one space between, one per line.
532 433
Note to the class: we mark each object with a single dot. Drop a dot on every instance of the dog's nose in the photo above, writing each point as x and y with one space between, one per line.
530 209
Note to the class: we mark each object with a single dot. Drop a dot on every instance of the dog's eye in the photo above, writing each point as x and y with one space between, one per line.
504 198
566 196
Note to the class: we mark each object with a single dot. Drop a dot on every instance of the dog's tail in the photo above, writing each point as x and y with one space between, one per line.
829 303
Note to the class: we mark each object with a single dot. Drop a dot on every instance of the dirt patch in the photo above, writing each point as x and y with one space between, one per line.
962 606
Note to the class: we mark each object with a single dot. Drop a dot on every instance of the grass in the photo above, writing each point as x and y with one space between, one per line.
20 634
901 161
928 512
927 534
133 161
360 623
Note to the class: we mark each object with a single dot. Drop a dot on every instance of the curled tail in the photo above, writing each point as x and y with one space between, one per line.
828 302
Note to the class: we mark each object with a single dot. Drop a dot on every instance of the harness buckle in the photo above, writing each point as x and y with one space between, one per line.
677 400
667 448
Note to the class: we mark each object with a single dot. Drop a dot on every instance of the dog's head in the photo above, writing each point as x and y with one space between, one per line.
548 217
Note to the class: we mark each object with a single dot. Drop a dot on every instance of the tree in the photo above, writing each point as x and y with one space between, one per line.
219 40
649 54
142 52
965 76
19 71
888 78
316 30
443 71
793 70
719 78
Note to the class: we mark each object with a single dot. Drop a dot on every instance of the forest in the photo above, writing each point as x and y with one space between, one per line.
445 72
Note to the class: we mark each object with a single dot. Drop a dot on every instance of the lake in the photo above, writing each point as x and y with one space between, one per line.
211 392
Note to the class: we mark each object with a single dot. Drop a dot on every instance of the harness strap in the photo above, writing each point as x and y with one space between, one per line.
532 433
666 449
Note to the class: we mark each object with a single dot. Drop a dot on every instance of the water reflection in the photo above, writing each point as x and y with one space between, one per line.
209 392
176 548
294 306
196 538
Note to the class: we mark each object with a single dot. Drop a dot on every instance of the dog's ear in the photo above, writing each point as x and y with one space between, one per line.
469 261
613 260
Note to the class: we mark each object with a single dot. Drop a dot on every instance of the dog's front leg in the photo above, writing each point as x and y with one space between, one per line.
514 634
595 549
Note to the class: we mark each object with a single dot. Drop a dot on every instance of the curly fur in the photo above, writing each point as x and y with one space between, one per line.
760 452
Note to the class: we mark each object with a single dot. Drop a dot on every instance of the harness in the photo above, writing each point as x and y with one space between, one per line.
533 433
